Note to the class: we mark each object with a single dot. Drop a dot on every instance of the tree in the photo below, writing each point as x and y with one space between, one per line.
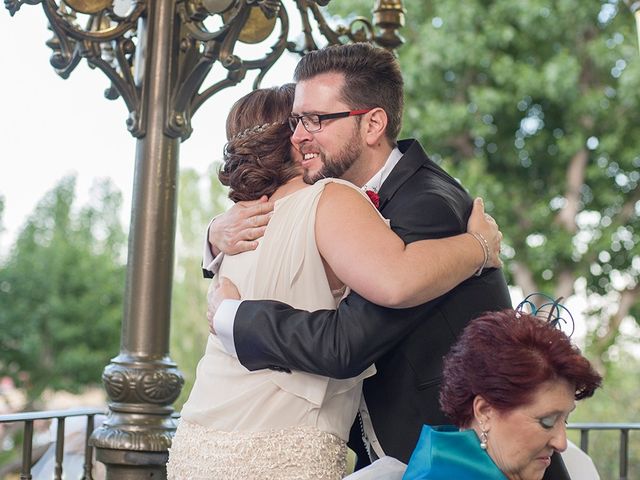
61 292
535 105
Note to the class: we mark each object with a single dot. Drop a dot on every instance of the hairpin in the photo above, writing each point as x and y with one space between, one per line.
554 312
251 130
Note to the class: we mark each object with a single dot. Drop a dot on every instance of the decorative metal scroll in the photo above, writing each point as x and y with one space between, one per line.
107 34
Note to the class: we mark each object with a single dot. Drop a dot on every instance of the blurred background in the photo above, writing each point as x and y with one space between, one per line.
534 105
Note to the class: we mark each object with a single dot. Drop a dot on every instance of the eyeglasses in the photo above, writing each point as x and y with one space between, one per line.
313 122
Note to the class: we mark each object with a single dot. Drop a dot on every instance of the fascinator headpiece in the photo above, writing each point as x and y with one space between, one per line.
547 308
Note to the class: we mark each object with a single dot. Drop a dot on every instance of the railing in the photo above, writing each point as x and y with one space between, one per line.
61 415
624 428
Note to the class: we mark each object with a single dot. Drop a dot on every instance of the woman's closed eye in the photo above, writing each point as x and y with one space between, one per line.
550 421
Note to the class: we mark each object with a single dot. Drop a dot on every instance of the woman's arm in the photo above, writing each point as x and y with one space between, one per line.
367 256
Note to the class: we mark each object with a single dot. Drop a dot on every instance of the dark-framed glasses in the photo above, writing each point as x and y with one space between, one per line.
313 122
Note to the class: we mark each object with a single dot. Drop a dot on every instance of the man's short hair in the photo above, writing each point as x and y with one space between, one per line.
372 78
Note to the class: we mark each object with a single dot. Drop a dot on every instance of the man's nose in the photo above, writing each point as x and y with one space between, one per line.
300 134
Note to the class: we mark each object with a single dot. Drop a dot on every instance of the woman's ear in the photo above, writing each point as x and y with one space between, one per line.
376 126
482 411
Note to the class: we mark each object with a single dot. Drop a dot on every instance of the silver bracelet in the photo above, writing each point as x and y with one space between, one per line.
485 248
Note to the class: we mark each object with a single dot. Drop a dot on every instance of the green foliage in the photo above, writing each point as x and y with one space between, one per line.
199 200
61 292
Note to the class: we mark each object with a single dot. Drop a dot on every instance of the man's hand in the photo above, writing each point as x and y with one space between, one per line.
236 230
224 290
484 224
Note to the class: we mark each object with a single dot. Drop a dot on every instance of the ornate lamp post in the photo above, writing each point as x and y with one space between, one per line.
157 55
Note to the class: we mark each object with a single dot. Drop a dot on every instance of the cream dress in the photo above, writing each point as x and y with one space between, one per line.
265 424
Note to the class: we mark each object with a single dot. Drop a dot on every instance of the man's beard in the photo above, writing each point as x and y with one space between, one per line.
337 166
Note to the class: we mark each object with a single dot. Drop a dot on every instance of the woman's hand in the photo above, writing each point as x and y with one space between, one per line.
483 225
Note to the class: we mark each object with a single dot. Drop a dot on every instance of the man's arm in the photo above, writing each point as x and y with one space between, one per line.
342 343
338 343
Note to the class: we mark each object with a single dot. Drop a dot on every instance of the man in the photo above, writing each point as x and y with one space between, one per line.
346 118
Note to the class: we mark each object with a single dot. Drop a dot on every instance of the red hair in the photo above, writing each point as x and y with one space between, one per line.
504 357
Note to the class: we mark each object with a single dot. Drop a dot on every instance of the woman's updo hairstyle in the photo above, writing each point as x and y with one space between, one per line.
257 156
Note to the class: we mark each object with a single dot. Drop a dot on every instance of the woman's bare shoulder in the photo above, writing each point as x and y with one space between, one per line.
336 186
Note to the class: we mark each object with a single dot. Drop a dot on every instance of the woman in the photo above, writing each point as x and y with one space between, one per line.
510 383
269 424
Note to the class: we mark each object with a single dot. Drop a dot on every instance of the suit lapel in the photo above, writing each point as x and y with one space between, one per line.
413 157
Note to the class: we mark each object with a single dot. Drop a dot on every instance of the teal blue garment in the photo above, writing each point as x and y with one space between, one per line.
445 453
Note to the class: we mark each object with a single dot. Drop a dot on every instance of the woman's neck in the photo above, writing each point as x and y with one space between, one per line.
293 185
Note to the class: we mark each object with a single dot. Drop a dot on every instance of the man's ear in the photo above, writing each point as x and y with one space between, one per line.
376 125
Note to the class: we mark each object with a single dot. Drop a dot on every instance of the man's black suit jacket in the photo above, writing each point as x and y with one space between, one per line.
421 201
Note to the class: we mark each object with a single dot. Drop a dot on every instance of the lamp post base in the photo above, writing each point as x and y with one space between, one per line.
134 440
132 465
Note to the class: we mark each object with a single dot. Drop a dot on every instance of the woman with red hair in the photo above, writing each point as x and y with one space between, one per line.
510 383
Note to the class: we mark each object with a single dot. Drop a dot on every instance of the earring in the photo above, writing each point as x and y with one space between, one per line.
483 438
